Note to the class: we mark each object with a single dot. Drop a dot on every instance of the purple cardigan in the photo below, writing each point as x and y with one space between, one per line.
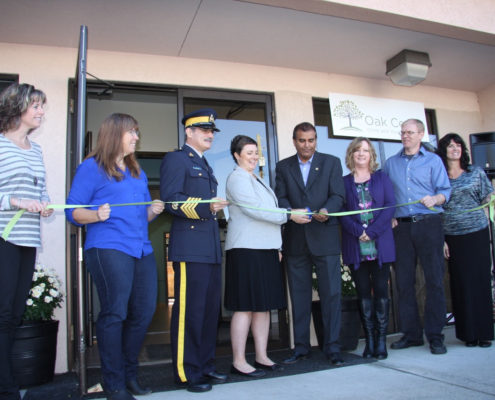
380 230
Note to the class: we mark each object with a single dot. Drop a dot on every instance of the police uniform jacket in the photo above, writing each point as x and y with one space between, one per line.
194 236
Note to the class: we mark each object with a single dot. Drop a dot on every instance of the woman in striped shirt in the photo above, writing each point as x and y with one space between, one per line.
22 186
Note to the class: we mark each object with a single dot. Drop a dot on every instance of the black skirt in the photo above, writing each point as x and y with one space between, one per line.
470 285
254 280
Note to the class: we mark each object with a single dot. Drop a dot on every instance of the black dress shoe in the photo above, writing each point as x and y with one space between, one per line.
257 373
134 388
484 343
472 343
437 347
336 359
404 343
198 387
273 367
295 358
216 377
120 395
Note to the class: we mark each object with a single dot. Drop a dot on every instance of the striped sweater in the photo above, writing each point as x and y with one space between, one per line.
22 175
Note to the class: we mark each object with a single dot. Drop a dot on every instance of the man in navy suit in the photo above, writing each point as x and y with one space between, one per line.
312 180
194 248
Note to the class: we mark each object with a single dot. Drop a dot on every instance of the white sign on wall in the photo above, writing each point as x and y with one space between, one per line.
372 117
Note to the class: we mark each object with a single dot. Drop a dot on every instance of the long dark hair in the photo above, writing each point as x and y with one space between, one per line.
442 150
14 101
109 145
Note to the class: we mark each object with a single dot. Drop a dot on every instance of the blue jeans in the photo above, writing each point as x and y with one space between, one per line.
16 272
421 240
127 289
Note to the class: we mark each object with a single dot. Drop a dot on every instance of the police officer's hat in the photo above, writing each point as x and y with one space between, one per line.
204 118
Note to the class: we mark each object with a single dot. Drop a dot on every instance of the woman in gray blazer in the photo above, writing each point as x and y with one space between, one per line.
254 282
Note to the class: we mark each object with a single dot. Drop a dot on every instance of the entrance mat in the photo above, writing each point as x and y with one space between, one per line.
159 377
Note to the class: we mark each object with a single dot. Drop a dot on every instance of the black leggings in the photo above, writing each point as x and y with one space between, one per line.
16 274
371 280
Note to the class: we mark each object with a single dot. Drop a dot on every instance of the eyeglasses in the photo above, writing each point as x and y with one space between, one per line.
134 132
407 133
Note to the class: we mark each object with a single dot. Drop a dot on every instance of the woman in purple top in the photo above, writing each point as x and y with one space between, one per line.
368 242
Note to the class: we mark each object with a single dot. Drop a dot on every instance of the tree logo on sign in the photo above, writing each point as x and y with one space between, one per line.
347 109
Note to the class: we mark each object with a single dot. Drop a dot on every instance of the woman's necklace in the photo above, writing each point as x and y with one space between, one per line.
454 174
20 141
361 176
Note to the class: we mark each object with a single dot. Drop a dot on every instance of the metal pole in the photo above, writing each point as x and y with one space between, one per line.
80 136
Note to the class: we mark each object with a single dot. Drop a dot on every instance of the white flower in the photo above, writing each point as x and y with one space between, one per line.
53 293
36 292
51 280
48 299
29 302
43 285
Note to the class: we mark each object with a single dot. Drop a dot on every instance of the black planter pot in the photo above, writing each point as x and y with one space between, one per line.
350 326
34 352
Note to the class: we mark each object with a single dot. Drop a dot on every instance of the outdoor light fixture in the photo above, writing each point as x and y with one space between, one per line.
408 67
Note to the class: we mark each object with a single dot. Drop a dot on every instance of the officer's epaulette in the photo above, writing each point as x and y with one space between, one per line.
190 154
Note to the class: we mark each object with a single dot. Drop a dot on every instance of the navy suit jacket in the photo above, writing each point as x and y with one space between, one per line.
194 235
324 189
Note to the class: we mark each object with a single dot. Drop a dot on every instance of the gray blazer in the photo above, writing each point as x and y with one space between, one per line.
248 228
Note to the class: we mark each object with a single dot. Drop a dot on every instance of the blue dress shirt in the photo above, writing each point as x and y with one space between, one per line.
127 228
305 168
416 177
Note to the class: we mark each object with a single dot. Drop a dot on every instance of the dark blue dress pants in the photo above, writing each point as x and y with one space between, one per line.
421 240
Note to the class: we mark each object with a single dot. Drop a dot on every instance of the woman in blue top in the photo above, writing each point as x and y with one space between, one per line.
368 242
467 244
118 253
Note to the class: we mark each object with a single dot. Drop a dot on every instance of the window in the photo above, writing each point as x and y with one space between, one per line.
7 79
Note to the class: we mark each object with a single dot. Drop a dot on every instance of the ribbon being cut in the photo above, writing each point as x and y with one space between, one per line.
15 218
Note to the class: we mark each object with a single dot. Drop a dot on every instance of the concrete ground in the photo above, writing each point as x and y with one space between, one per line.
414 373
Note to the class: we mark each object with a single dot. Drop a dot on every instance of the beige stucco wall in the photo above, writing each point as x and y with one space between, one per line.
49 68
450 12
486 100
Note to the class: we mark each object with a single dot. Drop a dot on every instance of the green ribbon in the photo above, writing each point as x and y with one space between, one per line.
17 216
8 228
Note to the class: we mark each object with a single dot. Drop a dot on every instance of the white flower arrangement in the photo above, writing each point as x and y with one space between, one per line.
45 295
348 285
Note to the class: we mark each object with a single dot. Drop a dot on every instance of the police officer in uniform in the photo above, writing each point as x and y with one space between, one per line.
194 248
